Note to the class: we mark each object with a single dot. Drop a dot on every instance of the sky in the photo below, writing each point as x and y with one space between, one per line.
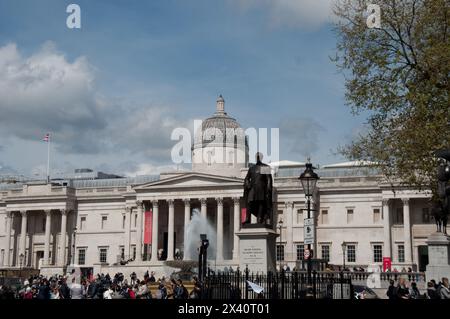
112 92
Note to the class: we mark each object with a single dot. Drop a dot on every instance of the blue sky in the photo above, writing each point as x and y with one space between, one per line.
112 91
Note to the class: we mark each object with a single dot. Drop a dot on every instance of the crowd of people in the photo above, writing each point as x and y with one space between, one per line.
102 287
402 291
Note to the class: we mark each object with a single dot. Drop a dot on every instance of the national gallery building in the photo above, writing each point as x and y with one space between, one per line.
112 224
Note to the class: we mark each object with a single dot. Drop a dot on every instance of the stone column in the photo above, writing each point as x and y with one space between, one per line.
203 208
219 251
48 223
407 230
387 228
171 230
9 223
23 236
128 220
62 239
237 223
289 242
187 218
155 218
139 230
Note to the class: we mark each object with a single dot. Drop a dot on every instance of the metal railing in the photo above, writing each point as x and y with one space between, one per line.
279 285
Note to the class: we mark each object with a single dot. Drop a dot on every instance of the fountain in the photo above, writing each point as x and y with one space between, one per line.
198 225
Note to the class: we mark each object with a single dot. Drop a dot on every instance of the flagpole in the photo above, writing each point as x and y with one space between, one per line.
48 159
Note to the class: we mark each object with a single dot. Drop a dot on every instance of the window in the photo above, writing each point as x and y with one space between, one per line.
401 253
398 216
324 216
326 252
82 223
299 216
103 255
280 252
135 220
134 252
43 225
377 253
351 253
104 220
376 215
123 221
349 216
300 251
81 256
425 215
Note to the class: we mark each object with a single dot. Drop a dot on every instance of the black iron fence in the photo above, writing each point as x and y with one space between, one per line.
279 285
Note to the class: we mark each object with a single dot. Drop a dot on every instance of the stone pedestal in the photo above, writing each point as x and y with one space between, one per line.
257 249
438 257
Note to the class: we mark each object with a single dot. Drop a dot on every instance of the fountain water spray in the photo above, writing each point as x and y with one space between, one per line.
199 225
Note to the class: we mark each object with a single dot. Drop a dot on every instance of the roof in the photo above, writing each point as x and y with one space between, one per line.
351 164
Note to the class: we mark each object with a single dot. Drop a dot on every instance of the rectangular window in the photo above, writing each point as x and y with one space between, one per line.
299 216
398 218
81 256
425 215
377 253
103 255
280 252
135 220
351 253
104 220
349 216
134 252
300 251
376 215
401 253
326 252
82 223
324 216
123 221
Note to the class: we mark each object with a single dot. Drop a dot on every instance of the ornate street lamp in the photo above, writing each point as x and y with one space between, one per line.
280 225
344 247
21 258
309 180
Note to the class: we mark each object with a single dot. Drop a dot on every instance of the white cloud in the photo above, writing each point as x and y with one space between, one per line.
293 13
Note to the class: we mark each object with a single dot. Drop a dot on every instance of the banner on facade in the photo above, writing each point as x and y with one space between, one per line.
387 263
148 218
243 215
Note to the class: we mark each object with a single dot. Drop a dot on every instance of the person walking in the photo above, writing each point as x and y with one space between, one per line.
392 290
445 290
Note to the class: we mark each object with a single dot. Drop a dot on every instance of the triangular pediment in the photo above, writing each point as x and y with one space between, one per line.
188 180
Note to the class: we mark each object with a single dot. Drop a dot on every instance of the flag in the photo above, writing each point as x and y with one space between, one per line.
148 226
256 288
243 215
46 137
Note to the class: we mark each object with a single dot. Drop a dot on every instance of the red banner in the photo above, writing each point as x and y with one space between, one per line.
243 214
387 263
148 227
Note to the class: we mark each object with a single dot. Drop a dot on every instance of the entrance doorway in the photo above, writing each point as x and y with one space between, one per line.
39 259
423 257
166 243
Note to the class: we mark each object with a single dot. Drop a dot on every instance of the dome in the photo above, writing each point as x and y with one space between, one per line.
220 123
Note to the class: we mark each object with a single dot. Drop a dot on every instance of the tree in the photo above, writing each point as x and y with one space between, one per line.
399 74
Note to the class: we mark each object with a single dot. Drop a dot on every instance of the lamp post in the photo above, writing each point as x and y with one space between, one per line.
344 247
309 180
280 225
73 245
21 258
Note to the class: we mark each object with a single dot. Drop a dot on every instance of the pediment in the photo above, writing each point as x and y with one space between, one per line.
188 180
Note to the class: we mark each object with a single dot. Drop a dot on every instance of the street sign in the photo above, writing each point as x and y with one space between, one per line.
308 231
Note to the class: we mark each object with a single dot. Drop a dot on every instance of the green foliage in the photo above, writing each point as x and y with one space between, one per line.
400 74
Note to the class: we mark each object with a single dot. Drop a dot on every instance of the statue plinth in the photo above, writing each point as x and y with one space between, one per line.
438 257
257 248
